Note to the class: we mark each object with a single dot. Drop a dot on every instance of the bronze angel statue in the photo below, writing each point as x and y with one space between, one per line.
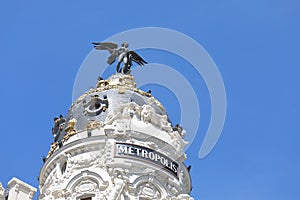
123 53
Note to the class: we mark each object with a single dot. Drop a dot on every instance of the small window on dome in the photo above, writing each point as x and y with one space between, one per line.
96 105
88 198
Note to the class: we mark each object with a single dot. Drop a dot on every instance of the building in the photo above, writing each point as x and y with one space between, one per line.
17 190
115 143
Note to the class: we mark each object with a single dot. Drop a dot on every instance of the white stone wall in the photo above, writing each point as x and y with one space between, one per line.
18 190
1 192
92 170
86 163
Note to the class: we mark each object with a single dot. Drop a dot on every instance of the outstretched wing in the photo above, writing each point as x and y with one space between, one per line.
136 58
111 47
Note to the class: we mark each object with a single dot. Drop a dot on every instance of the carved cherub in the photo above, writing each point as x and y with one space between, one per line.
71 126
164 123
146 113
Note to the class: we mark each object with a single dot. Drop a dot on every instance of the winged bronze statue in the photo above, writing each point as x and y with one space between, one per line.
123 53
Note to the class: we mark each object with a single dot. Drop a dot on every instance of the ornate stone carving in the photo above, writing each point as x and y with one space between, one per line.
126 111
1 192
52 148
71 126
177 142
108 151
58 194
102 83
121 126
115 191
120 173
84 161
147 113
57 176
148 191
120 179
85 186
152 145
93 124
121 90
165 124
70 129
182 197
171 188
47 196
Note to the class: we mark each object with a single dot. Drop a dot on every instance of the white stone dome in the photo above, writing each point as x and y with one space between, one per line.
116 142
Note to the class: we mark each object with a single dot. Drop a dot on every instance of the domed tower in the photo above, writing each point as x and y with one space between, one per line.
115 143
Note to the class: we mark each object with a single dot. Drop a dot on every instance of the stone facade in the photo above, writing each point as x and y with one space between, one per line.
2 192
17 190
115 143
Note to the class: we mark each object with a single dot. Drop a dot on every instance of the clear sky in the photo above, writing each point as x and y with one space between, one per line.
255 45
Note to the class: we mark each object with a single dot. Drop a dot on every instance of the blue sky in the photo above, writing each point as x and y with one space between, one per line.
255 45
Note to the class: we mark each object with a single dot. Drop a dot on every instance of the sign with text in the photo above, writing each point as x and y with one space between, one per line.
147 154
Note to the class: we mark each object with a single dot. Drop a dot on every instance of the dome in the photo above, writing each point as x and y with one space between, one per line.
114 135
97 106
111 94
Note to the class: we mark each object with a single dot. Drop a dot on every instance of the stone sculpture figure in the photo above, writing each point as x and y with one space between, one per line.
58 126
